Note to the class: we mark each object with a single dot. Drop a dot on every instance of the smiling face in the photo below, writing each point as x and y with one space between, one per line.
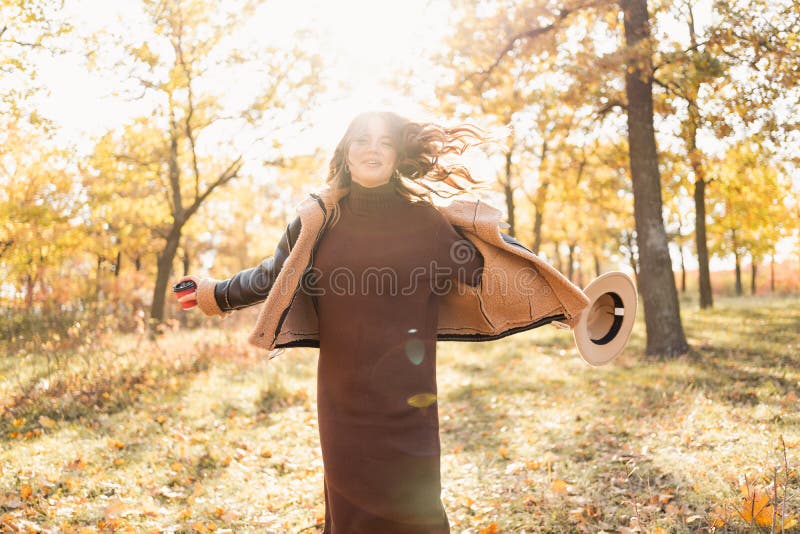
372 156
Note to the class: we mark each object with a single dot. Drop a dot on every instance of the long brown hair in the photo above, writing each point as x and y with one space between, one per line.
419 146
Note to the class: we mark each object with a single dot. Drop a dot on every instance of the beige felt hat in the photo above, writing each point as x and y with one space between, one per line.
605 325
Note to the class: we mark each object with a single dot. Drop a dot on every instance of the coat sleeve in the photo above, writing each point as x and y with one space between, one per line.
250 286
458 257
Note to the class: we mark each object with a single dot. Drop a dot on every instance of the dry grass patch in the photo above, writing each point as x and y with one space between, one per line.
190 433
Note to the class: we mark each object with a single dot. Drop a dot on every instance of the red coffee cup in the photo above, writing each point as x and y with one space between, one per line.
184 288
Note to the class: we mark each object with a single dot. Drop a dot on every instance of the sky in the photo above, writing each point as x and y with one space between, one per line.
364 43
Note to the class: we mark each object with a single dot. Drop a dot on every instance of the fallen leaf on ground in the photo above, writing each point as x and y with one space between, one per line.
756 507
559 487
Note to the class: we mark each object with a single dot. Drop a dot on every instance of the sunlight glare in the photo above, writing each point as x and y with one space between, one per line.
365 45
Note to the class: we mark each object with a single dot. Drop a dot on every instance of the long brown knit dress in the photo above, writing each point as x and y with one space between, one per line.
377 303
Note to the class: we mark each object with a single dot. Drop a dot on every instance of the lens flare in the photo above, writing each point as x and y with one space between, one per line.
415 351
421 400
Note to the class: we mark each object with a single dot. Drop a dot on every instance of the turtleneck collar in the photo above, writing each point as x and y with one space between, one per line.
366 200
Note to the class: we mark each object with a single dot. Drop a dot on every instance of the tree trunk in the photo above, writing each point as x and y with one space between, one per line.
29 286
138 263
695 159
559 263
98 275
163 272
738 268
537 229
665 334
167 256
753 269
596 266
737 265
181 129
117 264
184 317
45 291
683 271
541 199
772 274
701 242
571 262
632 258
509 192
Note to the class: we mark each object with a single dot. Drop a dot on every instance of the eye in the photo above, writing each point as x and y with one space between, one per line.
388 144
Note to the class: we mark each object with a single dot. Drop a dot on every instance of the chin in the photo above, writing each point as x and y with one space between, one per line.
375 179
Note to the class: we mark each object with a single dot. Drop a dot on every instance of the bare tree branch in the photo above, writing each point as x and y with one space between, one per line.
174 168
675 89
231 172
528 34
605 110
681 55
154 163
190 102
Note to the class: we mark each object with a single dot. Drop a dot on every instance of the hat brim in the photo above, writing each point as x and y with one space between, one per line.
600 347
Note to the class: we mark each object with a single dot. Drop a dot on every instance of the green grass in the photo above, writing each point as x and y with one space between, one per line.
197 431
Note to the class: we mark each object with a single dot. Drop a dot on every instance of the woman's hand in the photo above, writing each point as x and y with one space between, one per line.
189 300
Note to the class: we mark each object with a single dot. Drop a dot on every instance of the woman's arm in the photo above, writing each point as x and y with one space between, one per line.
463 261
250 286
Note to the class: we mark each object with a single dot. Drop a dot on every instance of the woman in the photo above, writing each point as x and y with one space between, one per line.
374 258
377 308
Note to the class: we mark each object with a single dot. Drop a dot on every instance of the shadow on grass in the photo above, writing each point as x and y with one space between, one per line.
595 425
79 398
744 352
472 424
588 425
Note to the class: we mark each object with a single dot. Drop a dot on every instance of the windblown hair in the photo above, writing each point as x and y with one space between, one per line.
419 173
